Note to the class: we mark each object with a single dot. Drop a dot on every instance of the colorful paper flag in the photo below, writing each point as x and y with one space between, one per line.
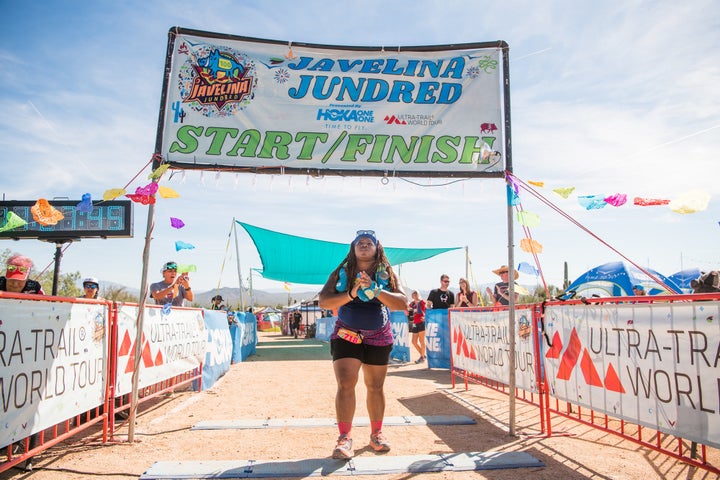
113 193
158 172
690 202
183 246
616 200
167 192
564 192
143 199
149 189
45 214
176 222
528 219
525 267
592 202
531 246
649 202
537 184
85 204
12 221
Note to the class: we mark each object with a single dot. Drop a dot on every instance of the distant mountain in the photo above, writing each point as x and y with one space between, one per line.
231 296
261 298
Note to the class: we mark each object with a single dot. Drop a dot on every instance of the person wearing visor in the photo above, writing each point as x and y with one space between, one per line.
363 289
174 289
17 270
91 288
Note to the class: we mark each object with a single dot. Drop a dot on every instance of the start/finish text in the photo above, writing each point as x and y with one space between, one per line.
369 148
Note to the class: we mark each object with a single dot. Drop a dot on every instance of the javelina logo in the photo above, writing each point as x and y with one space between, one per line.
220 79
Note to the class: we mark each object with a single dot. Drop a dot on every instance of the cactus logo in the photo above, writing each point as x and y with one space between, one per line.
215 81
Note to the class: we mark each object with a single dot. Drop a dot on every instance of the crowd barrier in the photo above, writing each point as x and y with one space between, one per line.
646 370
66 364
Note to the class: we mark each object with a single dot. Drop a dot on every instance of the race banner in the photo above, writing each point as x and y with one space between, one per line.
437 338
219 347
53 364
481 346
174 341
401 345
269 106
653 364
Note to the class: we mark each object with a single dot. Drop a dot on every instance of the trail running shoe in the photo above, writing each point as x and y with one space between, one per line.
420 360
343 449
379 443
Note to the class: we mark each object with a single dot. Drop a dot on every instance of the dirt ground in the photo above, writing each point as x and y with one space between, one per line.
290 378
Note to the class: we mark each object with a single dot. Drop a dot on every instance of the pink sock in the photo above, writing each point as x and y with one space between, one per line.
376 425
345 428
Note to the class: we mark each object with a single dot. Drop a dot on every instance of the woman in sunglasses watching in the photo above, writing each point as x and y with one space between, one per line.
16 279
363 289
91 288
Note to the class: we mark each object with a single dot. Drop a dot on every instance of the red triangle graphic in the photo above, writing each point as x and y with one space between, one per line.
570 357
612 381
125 345
465 349
557 345
131 360
472 354
147 354
461 343
158 358
589 371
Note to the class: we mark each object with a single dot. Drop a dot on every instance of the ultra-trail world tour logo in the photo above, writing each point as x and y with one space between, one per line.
216 81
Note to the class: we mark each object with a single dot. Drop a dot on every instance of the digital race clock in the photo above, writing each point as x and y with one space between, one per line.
108 219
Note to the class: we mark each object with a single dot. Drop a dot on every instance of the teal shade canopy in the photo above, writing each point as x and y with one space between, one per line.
293 259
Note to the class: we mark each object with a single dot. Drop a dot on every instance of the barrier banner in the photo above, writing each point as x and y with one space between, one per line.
437 338
401 348
232 101
53 364
173 342
654 364
219 347
324 327
481 345
248 335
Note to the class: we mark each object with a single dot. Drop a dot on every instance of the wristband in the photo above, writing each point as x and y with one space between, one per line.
349 292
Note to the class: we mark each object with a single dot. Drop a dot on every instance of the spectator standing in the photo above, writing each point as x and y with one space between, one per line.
173 289
217 303
417 305
500 294
363 289
441 297
465 296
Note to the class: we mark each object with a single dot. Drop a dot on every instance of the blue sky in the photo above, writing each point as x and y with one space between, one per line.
611 97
